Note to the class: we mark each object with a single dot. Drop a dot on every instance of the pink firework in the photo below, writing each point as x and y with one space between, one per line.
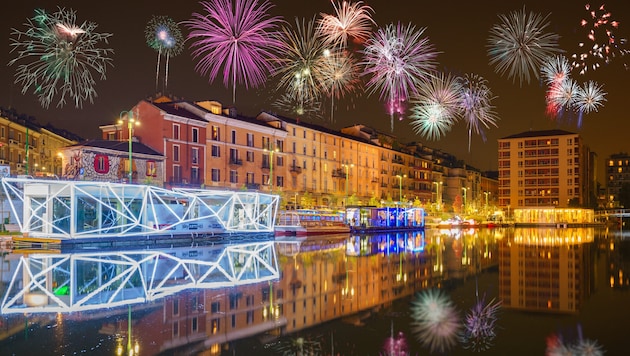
238 36
436 323
396 59
352 21
602 44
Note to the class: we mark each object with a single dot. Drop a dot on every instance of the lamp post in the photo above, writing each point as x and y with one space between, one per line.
271 151
130 123
400 177
465 194
347 168
438 198
486 194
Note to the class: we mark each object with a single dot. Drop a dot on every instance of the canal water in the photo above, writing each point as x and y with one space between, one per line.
387 294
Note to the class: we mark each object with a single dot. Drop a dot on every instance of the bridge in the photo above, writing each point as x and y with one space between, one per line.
611 213
72 210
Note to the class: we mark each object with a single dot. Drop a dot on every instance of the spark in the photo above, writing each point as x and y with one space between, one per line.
479 326
436 323
57 59
351 20
588 98
301 68
436 106
396 59
163 35
237 35
340 76
555 69
519 44
476 104
602 45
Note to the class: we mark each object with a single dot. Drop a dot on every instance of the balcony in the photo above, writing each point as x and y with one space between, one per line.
383 185
236 161
265 165
254 186
398 160
338 173
295 169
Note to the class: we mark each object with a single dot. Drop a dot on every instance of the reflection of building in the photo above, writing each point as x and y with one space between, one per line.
554 216
546 269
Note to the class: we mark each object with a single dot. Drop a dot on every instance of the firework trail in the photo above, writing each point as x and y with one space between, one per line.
436 323
301 68
479 325
395 345
163 35
238 36
340 75
602 45
436 106
519 45
476 104
351 21
55 57
397 58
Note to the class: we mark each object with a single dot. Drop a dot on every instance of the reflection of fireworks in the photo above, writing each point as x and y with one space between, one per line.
302 63
236 36
436 323
59 57
297 346
476 104
556 346
396 346
353 20
436 106
397 58
479 326
603 45
519 44
164 36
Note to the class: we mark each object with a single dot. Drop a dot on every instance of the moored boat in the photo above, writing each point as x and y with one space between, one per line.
306 222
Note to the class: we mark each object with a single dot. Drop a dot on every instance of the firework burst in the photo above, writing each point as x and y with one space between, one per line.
57 59
302 67
163 35
352 21
436 323
238 36
479 326
603 45
397 58
556 346
476 104
309 109
436 106
519 45
340 76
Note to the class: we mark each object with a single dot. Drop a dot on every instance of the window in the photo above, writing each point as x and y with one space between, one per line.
194 324
194 175
175 306
250 139
176 131
151 169
216 175
233 136
215 307
250 178
175 153
280 161
195 134
233 176
250 156
216 151
280 181
195 155
101 164
214 326
216 133
176 329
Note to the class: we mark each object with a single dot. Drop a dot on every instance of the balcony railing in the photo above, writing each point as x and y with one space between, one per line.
236 161
295 169
338 173
265 165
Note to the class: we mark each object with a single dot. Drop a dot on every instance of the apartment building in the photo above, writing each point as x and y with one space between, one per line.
617 174
544 168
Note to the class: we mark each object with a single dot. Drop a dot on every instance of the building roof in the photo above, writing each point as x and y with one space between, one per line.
541 133
120 146
177 109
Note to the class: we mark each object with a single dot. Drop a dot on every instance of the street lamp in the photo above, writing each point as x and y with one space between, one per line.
130 123
272 149
347 168
465 194
400 177
438 198
486 194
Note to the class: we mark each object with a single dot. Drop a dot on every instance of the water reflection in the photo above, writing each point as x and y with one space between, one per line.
188 300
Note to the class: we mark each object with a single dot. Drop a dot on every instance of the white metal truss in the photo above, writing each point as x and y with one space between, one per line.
79 209
47 283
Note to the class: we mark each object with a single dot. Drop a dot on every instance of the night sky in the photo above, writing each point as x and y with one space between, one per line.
458 30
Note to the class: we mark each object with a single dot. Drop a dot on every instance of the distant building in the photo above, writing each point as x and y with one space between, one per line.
544 169
617 174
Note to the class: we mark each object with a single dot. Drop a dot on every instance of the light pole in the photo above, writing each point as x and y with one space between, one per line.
438 198
486 194
400 177
465 194
271 149
347 169
130 123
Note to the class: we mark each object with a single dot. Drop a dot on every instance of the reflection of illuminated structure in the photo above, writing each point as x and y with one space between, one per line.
554 216
545 269
76 210
88 281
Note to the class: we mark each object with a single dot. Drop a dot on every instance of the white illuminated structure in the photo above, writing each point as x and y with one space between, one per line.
63 283
92 210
